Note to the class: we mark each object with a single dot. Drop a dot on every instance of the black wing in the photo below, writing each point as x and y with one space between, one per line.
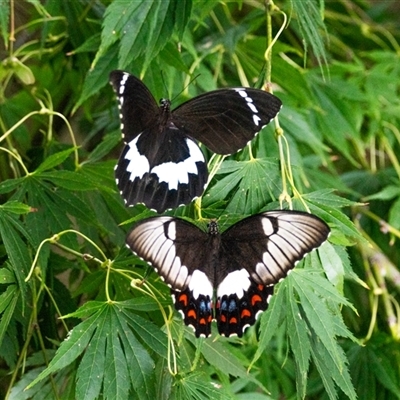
159 166
178 251
255 254
161 174
225 120
138 109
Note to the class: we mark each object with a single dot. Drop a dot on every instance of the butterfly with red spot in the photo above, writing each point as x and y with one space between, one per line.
161 164
237 268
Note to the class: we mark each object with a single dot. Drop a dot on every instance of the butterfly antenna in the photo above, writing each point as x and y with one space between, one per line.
185 87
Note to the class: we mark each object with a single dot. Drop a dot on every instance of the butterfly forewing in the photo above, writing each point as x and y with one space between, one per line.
225 120
269 244
138 109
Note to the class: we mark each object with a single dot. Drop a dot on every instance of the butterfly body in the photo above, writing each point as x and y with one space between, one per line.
228 277
161 164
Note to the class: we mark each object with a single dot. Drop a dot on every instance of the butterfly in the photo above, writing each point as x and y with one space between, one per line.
161 164
238 268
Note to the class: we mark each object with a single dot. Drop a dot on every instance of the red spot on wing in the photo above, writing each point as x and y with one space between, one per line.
192 313
255 299
245 313
233 320
183 299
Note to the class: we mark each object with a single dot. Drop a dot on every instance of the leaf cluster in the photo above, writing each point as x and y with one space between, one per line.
81 317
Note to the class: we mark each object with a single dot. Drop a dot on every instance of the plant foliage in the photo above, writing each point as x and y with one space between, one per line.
80 316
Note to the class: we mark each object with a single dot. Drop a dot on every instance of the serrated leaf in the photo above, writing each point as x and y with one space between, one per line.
140 364
16 250
327 362
54 160
183 9
72 347
93 363
220 357
116 380
147 331
71 180
97 76
10 184
16 207
322 322
248 185
8 302
104 147
299 342
271 318
332 265
387 193
6 276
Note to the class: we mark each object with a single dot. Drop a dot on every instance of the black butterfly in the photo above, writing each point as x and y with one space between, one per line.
241 265
161 164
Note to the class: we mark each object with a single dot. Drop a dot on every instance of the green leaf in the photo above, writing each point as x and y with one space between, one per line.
72 347
387 193
93 362
394 214
271 319
6 276
299 342
4 25
249 185
10 184
97 76
218 355
321 321
332 265
116 382
8 302
16 249
369 364
183 9
16 207
71 180
147 331
140 364
54 160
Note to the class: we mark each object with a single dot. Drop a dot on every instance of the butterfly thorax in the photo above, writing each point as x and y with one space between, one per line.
165 114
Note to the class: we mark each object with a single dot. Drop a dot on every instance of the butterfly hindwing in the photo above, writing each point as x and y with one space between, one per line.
234 314
172 176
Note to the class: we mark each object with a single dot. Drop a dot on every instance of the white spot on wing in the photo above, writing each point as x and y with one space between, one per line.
249 101
267 226
175 173
235 282
138 164
200 284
